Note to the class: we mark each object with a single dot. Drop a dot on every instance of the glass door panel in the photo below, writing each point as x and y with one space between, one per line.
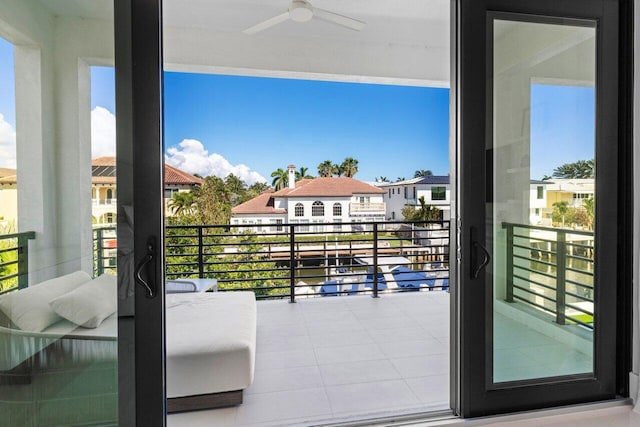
543 205
537 105
58 218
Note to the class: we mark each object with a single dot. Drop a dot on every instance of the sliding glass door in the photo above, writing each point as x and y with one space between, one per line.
538 199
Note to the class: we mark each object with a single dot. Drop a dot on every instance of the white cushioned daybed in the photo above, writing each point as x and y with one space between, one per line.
211 340
70 322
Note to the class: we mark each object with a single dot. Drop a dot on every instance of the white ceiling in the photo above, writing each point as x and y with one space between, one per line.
412 36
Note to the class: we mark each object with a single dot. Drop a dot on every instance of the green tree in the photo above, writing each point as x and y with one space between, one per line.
212 201
236 189
303 173
560 209
336 170
421 173
325 169
182 203
400 178
425 212
382 179
349 167
280 179
576 170
590 207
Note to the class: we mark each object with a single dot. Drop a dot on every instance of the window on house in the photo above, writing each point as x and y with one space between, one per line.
389 192
438 193
168 193
414 192
317 209
337 209
406 193
337 226
540 192
393 215
298 210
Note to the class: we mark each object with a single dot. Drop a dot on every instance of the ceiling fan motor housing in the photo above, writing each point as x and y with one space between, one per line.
300 11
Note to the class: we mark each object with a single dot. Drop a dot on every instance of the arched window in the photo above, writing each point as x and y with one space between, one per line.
337 209
109 194
317 209
298 210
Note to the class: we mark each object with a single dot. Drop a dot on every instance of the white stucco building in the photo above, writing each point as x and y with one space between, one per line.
435 190
342 200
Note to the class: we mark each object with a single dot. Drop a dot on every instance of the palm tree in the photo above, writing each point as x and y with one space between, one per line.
421 173
303 173
280 179
427 212
579 169
182 202
382 179
590 206
400 178
561 208
325 169
349 167
336 170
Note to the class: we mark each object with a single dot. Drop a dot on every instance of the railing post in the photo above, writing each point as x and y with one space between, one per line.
23 261
375 260
561 263
292 263
509 291
100 251
200 252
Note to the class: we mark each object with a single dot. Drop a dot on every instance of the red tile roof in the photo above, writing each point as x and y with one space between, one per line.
316 187
104 175
176 176
329 187
262 204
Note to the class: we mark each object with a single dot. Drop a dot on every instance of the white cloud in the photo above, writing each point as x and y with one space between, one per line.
7 144
103 133
191 156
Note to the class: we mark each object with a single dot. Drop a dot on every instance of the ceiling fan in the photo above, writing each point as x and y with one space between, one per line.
303 11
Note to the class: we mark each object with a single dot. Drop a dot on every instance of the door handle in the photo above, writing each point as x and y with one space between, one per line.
475 247
484 262
141 266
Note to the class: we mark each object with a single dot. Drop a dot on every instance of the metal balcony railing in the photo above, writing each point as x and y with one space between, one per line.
406 257
14 261
551 270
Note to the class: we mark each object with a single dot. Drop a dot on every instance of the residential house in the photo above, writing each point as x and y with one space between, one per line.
312 203
8 198
104 192
435 190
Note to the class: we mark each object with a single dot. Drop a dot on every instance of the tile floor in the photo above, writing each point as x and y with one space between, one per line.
337 358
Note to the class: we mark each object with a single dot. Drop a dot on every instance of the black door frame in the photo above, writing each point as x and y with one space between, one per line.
140 178
469 104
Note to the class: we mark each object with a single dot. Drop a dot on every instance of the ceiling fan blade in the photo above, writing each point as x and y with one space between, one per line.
267 24
335 18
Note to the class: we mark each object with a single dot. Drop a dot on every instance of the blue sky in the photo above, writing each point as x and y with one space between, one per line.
562 126
268 123
251 126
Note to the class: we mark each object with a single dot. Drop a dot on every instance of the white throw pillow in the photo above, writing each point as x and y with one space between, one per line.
89 304
29 308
